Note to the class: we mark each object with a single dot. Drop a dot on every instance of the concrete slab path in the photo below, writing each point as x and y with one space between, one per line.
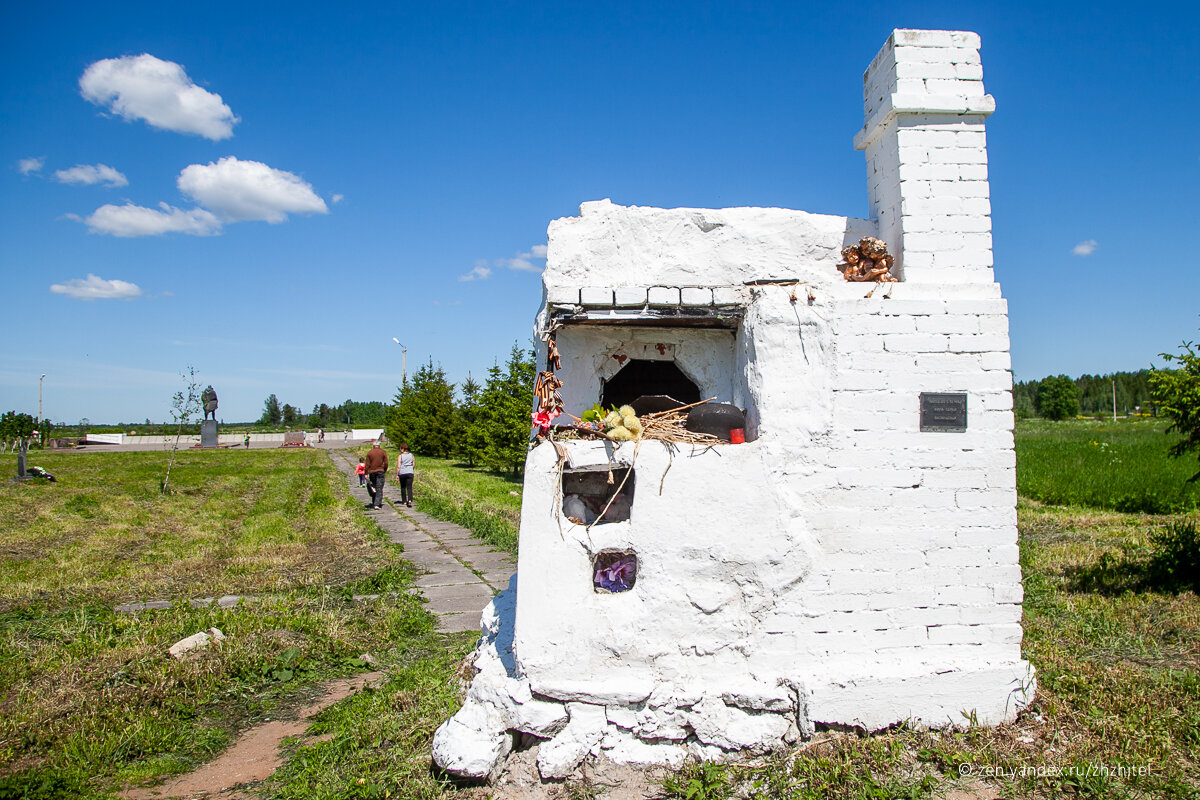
462 573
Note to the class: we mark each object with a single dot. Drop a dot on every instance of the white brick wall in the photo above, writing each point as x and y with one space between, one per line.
925 104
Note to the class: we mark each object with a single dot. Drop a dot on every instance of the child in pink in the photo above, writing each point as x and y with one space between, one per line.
361 472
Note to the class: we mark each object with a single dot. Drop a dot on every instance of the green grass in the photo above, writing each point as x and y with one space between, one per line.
1118 466
90 701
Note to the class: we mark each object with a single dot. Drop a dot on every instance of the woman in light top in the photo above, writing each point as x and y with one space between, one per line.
404 474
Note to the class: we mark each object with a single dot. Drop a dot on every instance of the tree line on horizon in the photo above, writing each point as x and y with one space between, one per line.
347 415
1061 397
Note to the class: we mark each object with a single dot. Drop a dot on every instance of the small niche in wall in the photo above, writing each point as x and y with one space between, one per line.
586 492
614 571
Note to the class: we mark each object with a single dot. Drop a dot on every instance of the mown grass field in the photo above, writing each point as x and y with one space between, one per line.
90 701
1117 712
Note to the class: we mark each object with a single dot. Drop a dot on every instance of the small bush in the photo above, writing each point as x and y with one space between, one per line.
1171 563
1176 564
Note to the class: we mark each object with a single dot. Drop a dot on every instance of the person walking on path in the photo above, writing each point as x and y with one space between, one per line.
377 464
246 441
361 472
405 472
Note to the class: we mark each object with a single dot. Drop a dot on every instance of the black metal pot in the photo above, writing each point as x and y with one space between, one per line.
717 419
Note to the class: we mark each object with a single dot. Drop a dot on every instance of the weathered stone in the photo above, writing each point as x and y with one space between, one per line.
733 729
471 744
181 649
559 757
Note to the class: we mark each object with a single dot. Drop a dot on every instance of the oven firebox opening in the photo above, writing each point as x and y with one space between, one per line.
641 377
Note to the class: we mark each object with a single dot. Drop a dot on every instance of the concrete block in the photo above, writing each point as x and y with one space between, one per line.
564 295
993 324
954 86
948 323
630 296
1008 593
664 296
695 296
992 614
968 72
731 295
915 343
926 69
978 343
596 296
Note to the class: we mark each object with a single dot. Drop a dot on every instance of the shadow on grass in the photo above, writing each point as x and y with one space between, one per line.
1170 563
508 476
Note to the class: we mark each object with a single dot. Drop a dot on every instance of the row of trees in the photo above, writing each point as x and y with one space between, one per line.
1061 397
486 424
348 414
16 430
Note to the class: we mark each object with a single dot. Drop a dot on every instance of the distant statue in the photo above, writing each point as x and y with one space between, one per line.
209 398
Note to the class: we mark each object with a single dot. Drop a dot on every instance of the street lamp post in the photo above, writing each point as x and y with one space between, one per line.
41 380
403 362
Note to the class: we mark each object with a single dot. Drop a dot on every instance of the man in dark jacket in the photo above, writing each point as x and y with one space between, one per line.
377 464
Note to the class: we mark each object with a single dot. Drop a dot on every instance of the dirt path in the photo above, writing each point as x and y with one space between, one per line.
255 755
461 572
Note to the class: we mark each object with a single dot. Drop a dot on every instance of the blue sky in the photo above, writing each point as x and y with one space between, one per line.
349 168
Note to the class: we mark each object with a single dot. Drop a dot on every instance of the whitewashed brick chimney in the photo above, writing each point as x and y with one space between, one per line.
925 108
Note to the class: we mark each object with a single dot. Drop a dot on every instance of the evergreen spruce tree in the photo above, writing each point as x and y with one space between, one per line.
423 414
508 403
272 413
472 436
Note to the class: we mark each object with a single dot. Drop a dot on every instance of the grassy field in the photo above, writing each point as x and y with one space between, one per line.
90 701
1118 466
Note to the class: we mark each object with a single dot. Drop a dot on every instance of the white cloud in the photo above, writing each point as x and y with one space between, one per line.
27 166
1085 248
249 190
337 198
479 273
159 92
130 220
88 175
521 262
94 287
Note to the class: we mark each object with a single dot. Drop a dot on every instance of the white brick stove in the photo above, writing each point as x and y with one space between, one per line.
844 566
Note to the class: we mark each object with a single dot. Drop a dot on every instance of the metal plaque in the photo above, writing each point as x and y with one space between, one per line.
943 411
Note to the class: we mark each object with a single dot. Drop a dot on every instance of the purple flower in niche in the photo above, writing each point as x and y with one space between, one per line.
615 574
